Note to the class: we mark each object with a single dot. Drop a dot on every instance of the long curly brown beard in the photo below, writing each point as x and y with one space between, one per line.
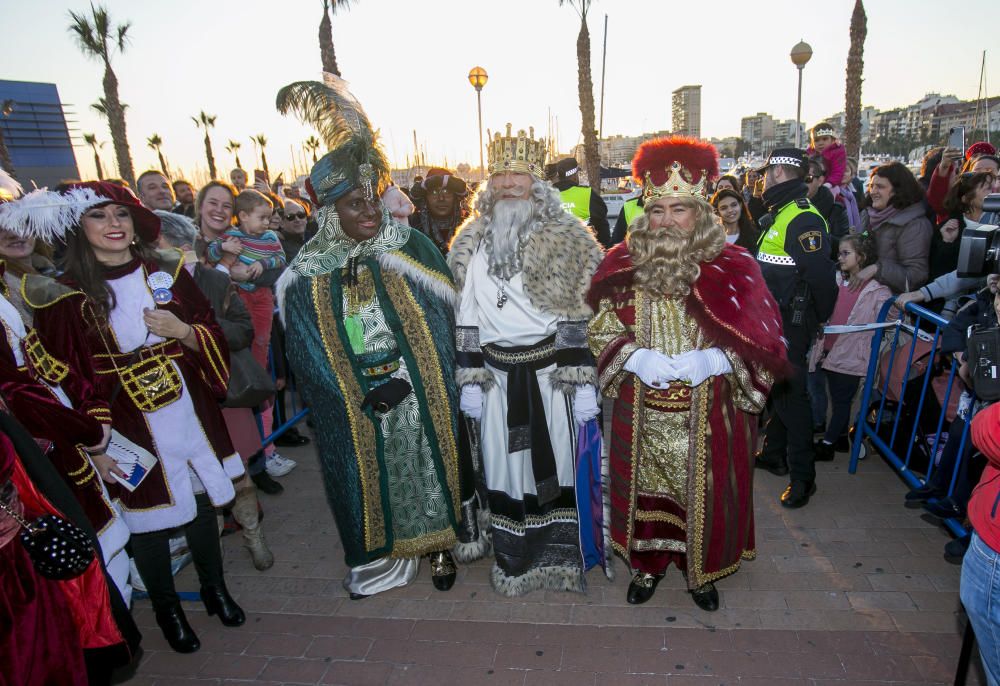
668 260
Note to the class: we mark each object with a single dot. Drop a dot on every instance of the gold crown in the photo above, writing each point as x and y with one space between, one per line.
521 154
675 187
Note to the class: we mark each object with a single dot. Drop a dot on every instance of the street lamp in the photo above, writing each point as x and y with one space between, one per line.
478 78
800 54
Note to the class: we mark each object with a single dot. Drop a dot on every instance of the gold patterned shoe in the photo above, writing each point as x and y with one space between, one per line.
443 570
642 588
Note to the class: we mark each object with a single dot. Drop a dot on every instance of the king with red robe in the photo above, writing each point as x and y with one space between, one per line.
688 341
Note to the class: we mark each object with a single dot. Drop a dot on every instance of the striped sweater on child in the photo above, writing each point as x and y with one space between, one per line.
265 248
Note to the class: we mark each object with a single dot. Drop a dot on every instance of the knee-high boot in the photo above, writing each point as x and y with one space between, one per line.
245 512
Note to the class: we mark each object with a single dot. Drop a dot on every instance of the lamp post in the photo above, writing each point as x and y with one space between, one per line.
478 78
800 54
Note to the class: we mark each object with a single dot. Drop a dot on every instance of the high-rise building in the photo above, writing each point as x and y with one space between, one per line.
36 134
686 111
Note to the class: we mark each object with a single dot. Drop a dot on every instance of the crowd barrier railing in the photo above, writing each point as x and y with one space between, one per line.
874 423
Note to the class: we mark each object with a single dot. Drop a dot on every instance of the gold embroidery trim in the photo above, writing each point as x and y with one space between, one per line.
418 335
642 333
433 273
428 543
41 361
210 349
362 430
666 517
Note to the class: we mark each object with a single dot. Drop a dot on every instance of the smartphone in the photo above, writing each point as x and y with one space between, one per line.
260 176
956 138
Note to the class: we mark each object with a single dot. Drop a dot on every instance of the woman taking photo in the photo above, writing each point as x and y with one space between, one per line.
153 365
740 229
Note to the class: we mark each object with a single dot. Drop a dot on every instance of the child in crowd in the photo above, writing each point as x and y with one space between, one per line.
252 244
844 357
824 142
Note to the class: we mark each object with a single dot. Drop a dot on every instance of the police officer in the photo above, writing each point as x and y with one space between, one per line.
580 201
630 210
794 256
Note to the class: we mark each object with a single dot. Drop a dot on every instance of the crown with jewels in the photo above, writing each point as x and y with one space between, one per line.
676 166
521 153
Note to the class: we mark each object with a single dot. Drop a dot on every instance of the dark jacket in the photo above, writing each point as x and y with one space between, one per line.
230 312
835 215
808 243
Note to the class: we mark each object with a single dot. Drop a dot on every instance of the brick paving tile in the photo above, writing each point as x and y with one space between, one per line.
850 591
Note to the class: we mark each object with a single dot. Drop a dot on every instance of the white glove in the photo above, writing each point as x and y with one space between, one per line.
471 402
697 365
653 368
585 405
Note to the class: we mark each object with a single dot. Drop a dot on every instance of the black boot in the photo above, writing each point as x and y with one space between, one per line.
218 601
706 597
642 588
266 484
798 493
176 629
776 467
443 570
823 451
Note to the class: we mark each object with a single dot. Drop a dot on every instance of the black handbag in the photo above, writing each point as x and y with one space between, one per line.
984 362
58 548
249 383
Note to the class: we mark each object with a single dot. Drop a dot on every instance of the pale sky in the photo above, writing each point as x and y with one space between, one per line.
407 63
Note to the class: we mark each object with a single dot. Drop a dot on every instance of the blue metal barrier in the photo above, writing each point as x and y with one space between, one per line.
868 427
297 417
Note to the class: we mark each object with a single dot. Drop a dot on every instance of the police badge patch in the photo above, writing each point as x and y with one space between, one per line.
811 241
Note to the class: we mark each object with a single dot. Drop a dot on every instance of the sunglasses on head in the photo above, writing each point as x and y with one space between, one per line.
295 215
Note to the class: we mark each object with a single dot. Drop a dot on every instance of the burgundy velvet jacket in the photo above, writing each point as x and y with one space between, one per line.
66 324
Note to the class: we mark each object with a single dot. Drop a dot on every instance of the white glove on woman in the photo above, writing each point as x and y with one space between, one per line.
697 365
471 402
653 368
585 404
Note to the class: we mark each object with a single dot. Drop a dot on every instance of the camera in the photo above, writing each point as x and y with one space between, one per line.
979 251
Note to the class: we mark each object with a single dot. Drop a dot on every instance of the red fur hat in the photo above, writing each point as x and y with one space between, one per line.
656 157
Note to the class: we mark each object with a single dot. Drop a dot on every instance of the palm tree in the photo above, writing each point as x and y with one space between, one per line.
326 52
91 140
233 147
585 86
312 145
6 107
155 142
205 121
98 39
261 142
855 67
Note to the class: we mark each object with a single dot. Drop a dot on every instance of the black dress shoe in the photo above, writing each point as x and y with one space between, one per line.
776 468
642 588
706 597
266 484
218 601
443 570
291 439
823 451
945 508
797 494
925 492
176 629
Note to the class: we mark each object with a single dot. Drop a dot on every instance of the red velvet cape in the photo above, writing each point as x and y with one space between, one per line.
735 310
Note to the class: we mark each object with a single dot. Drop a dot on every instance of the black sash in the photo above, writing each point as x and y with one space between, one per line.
527 428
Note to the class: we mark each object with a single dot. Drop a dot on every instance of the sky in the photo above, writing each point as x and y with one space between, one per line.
407 63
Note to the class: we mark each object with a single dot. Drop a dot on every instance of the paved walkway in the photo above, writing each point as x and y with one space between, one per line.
852 590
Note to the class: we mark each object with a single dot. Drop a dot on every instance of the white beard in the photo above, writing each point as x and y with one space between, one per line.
510 223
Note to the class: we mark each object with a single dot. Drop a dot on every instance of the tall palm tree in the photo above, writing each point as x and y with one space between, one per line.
206 121
6 107
91 140
233 148
585 87
326 52
155 142
261 141
312 145
855 67
98 39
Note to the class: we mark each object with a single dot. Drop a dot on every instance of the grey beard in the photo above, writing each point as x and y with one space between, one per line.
510 226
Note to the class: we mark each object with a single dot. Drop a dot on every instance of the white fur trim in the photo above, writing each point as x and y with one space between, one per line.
284 281
392 261
482 546
551 578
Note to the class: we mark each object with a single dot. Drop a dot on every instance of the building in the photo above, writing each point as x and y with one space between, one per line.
37 134
686 111
618 151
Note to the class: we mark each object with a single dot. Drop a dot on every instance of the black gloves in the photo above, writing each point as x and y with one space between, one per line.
385 397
